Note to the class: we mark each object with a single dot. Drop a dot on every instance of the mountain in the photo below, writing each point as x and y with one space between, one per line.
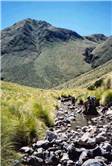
37 54
33 35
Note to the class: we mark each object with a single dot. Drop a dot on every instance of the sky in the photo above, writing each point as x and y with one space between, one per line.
83 17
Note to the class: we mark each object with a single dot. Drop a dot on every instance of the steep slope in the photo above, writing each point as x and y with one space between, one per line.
90 77
35 53
102 53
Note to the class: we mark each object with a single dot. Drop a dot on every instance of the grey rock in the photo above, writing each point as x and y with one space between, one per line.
53 159
64 157
70 163
86 141
42 144
83 157
50 135
26 149
94 162
106 146
16 163
100 138
73 152
34 161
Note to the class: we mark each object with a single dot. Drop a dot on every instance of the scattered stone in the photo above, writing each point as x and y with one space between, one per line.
84 145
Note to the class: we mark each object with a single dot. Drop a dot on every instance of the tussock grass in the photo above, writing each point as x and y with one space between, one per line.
27 112
106 97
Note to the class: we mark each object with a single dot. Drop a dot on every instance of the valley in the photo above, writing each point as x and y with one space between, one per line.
48 76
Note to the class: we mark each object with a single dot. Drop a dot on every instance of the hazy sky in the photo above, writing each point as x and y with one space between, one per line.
83 17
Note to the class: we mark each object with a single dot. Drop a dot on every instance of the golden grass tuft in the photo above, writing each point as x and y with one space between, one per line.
106 97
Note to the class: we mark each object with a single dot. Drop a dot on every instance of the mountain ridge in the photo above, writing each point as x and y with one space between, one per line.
35 53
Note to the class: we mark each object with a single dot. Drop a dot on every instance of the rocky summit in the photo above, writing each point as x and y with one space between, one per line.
77 139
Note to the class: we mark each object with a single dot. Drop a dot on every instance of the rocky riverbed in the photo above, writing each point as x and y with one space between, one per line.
75 140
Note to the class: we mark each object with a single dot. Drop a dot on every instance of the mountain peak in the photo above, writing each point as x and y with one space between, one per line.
28 22
35 53
31 34
43 25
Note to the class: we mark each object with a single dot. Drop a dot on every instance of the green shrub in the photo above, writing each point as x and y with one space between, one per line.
98 83
91 87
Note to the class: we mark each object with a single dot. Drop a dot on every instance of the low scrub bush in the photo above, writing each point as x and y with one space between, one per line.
98 83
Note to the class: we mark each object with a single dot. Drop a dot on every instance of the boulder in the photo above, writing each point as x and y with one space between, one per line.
90 106
97 151
34 161
26 149
50 135
16 163
73 152
53 159
106 146
101 137
84 156
94 162
70 163
42 144
87 141
65 157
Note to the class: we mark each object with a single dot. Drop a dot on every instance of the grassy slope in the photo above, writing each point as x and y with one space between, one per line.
61 62
26 113
57 63
88 78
